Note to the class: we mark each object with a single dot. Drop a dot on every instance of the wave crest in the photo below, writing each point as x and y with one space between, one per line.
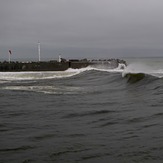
140 69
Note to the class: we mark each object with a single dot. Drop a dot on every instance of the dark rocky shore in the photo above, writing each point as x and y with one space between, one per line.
57 66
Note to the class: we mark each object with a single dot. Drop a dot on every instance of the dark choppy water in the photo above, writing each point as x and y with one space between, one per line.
87 115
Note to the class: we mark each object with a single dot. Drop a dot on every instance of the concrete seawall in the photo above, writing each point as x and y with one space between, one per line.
54 65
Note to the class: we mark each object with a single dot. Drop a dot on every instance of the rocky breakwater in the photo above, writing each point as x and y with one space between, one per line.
57 66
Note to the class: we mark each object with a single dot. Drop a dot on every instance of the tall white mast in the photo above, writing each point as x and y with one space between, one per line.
39 57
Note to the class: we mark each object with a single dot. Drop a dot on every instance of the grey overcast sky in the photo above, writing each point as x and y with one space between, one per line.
81 28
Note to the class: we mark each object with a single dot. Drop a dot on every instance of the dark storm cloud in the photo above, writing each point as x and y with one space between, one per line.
81 27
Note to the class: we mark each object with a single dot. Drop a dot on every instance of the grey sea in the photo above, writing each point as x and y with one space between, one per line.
87 115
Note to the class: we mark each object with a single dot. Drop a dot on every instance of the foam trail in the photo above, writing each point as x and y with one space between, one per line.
10 76
46 89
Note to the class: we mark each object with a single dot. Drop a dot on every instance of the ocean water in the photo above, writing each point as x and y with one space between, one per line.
87 115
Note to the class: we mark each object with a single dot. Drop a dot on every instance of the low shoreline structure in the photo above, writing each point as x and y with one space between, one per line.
54 65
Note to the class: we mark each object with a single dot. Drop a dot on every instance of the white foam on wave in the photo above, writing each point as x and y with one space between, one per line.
20 76
78 71
120 68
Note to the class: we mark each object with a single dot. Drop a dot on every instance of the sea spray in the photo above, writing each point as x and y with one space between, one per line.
142 68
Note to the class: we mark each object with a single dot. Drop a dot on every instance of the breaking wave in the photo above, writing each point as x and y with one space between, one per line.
137 71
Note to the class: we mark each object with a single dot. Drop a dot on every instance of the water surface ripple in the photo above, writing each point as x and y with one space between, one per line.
81 116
